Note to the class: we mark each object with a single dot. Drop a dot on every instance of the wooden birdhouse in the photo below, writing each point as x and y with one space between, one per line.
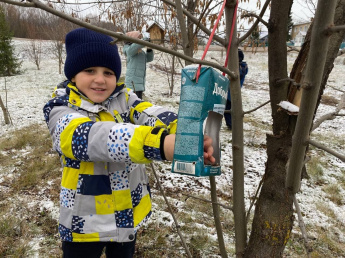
156 33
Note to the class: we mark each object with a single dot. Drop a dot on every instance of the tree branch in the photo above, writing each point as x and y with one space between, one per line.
196 22
121 36
302 225
256 16
263 10
323 147
335 29
249 111
290 80
171 212
332 115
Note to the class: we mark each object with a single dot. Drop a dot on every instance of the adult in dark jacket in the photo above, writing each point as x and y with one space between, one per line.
137 58
243 68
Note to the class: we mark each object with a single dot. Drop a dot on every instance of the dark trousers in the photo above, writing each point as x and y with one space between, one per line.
227 116
95 249
139 94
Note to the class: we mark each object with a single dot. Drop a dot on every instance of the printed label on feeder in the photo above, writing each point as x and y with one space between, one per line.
219 108
183 167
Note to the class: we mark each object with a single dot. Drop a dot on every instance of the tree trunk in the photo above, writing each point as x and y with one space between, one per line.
5 112
273 217
333 46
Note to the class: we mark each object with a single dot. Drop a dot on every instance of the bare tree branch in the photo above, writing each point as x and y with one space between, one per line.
196 21
171 212
254 199
121 36
291 48
323 147
290 80
216 217
335 29
302 226
263 10
257 17
252 110
332 115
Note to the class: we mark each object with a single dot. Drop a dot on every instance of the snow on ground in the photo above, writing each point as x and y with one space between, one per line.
29 91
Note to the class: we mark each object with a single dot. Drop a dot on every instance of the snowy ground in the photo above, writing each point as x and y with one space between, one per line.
28 92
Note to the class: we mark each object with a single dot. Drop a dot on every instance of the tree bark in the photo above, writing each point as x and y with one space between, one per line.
5 112
314 70
273 217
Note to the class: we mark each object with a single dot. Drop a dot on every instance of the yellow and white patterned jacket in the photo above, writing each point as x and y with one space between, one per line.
105 195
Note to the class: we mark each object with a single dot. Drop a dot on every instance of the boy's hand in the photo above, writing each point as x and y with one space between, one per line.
169 144
208 151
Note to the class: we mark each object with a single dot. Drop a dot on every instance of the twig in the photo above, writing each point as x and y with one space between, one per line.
171 211
121 36
216 217
332 115
292 49
249 32
302 226
257 17
290 80
204 200
323 147
255 196
334 88
335 28
247 112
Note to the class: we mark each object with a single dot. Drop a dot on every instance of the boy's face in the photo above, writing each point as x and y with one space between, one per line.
97 83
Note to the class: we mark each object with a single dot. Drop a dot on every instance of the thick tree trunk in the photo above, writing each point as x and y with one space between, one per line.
273 218
274 211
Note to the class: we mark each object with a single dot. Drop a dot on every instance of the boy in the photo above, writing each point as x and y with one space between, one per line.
104 135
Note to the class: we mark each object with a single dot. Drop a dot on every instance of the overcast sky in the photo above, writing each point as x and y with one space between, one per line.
301 12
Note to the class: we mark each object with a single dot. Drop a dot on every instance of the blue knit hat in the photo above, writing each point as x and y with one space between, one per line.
86 48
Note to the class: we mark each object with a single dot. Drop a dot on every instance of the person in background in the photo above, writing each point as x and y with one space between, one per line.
243 67
104 134
136 58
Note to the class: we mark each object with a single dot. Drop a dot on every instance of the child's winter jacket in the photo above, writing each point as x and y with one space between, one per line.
105 194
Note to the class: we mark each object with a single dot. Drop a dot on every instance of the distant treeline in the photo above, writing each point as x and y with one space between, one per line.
37 24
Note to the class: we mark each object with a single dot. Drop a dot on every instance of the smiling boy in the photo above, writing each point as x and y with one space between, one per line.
104 135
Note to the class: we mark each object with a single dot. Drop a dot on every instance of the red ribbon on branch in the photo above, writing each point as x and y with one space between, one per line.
212 34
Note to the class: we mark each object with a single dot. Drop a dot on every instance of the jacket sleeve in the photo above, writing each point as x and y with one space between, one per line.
149 55
77 137
145 113
131 50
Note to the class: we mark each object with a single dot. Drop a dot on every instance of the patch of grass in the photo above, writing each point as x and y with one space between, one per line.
315 171
329 100
12 236
325 210
38 163
334 193
325 245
